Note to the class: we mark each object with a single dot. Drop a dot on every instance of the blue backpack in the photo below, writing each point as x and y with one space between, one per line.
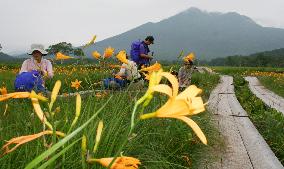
135 53
113 83
28 81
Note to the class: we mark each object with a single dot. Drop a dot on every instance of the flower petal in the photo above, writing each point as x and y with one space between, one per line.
194 127
162 88
173 80
173 108
24 139
197 105
191 91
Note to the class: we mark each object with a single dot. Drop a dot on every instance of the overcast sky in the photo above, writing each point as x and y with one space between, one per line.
23 22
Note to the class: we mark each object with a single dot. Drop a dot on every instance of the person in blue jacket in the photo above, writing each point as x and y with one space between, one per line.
140 51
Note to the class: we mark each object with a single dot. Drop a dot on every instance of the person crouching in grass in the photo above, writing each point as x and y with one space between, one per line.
185 72
34 71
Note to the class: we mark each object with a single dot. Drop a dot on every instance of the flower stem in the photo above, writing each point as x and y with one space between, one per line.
132 126
147 116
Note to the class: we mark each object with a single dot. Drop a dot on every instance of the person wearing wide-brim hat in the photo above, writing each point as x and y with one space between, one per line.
185 72
36 62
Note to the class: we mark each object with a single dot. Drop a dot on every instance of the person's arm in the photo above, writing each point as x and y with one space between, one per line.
122 70
24 67
49 70
145 56
143 51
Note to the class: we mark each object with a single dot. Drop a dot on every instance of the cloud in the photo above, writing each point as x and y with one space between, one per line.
52 21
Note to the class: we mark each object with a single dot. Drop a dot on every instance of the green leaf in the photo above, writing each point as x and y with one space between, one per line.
56 146
50 161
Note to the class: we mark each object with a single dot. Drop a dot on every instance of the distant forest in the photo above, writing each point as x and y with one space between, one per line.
274 58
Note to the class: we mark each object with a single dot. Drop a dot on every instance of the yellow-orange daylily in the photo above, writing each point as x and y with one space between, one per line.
108 52
76 84
61 56
3 91
40 113
179 106
78 111
22 95
96 55
91 42
25 139
98 136
118 77
189 57
155 78
54 93
155 67
121 56
119 163
147 76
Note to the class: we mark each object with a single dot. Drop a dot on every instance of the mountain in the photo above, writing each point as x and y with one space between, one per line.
208 34
5 57
274 58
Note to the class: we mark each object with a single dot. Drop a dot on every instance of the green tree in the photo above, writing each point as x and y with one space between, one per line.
63 47
79 52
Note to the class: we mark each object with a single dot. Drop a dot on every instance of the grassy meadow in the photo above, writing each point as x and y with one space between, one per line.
156 142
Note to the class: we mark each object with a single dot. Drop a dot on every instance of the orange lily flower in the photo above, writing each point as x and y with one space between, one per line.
179 106
119 163
118 77
60 56
121 56
147 76
22 95
108 52
189 57
76 84
96 55
25 139
3 90
156 67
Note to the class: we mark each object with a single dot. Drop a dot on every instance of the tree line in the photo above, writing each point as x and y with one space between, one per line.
274 58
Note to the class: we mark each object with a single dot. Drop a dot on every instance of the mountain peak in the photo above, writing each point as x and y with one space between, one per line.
208 34
194 9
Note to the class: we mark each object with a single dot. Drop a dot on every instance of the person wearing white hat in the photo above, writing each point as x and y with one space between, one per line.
37 63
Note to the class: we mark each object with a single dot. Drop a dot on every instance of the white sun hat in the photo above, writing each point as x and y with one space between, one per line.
38 47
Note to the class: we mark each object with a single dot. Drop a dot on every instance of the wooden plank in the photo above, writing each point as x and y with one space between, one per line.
259 152
236 108
268 97
235 155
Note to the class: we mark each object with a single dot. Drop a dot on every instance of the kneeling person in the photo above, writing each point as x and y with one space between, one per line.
34 70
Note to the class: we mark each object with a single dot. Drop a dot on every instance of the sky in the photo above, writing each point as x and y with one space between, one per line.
23 22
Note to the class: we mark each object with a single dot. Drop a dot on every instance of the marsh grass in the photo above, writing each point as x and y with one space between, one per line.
274 84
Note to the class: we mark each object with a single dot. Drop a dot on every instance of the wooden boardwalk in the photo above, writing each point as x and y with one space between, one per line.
244 148
269 98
